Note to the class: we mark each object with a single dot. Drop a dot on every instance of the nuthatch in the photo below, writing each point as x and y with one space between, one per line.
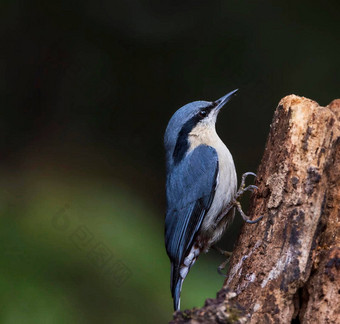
201 187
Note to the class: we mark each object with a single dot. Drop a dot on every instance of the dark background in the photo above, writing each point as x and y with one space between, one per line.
87 89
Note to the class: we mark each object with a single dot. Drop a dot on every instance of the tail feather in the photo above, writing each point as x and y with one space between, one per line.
176 285
177 294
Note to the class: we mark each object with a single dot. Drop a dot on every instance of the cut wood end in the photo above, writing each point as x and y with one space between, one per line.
296 102
301 109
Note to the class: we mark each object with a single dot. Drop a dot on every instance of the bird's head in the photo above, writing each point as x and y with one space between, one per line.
191 125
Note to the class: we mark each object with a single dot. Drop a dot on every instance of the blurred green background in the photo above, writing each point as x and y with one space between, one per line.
87 89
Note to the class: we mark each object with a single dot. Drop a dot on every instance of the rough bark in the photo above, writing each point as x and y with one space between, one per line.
286 268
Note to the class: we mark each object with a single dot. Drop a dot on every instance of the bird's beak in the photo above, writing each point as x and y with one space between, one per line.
222 101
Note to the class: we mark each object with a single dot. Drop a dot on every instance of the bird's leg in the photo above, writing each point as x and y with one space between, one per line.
225 253
239 194
222 266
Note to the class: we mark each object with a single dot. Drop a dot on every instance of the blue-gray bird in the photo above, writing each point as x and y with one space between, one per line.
201 186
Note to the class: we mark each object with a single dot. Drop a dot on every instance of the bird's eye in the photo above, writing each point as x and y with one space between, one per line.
203 113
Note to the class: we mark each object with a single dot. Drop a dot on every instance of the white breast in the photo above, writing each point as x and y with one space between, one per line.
224 193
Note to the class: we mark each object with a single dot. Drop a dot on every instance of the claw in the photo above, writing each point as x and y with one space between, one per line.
249 173
250 188
254 221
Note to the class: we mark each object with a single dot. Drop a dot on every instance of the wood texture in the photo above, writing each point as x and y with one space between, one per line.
287 267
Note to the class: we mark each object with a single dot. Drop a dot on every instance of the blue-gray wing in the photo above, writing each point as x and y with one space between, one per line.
190 191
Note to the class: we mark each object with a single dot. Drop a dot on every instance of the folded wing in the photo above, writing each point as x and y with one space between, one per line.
190 191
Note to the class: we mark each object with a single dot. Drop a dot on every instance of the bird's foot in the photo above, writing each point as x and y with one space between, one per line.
239 194
243 187
235 203
222 266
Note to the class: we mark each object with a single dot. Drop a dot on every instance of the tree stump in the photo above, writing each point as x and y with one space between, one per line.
286 268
